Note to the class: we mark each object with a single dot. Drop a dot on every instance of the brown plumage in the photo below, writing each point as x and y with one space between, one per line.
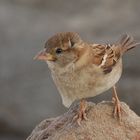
82 70
113 52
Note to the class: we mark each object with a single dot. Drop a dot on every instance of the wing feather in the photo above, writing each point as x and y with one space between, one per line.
105 56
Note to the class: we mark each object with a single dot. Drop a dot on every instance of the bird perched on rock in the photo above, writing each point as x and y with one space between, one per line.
81 70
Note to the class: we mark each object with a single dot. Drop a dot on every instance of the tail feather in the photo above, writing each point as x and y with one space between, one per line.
126 43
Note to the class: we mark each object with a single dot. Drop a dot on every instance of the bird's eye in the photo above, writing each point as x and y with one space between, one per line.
58 50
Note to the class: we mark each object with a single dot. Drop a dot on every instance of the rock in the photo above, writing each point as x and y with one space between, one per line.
101 125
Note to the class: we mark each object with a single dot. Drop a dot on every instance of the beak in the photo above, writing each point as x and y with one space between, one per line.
44 56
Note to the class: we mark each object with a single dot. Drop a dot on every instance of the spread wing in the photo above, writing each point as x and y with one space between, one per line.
105 56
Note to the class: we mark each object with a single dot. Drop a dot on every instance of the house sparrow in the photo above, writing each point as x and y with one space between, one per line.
81 70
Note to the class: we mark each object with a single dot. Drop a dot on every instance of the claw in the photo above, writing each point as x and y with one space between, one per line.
81 114
117 110
117 105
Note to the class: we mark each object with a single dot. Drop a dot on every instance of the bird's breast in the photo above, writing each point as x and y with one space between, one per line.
87 82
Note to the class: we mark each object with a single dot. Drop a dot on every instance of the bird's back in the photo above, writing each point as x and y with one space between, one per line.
107 56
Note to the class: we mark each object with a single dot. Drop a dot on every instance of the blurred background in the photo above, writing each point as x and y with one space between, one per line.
27 92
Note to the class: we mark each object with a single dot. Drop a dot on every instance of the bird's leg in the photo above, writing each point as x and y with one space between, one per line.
117 105
81 114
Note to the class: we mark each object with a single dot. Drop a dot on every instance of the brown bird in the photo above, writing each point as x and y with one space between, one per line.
81 70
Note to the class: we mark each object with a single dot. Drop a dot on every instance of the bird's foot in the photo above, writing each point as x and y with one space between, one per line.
81 114
117 108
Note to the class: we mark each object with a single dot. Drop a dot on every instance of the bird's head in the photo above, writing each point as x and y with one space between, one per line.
60 48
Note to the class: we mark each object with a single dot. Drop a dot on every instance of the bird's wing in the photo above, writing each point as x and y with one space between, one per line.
105 56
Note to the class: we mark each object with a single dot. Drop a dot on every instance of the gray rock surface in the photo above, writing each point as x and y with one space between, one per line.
27 93
100 125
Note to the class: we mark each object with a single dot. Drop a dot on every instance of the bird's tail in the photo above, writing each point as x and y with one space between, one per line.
126 43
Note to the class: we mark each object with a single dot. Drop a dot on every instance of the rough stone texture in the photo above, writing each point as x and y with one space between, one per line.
101 125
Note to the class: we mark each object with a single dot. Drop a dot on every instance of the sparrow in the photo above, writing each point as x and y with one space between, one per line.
81 70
